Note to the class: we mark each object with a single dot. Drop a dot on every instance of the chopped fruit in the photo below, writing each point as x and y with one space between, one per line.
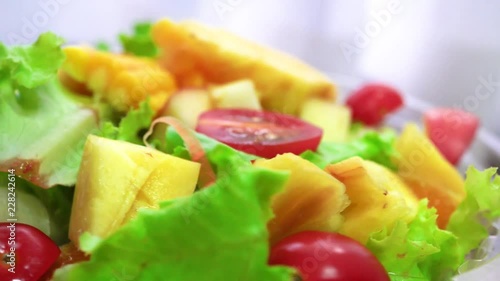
110 181
187 105
260 133
373 102
311 200
378 197
121 80
161 185
239 94
451 131
428 173
334 119
208 54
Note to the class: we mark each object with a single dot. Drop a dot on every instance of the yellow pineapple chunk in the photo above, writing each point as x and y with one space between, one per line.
170 179
378 197
428 173
121 80
191 50
116 178
311 200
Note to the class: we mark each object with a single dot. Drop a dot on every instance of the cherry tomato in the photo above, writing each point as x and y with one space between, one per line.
373 102
27 253
324 256
451 130
264 134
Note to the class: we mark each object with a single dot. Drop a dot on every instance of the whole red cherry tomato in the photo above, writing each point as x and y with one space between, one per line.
324 256
26 252
373 102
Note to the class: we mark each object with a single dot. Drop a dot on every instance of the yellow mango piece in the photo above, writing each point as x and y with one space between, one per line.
189 48
428 173
111 178
121 80
311 200
378 197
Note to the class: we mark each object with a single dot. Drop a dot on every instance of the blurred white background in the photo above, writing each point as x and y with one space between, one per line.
446 52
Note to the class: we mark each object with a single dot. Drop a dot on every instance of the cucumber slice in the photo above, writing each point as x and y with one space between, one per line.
28 210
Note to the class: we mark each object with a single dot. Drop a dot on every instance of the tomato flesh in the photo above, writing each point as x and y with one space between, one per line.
27 253
324 256
451 130
265 134
373 102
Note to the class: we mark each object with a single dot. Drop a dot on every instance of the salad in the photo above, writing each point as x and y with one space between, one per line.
193 154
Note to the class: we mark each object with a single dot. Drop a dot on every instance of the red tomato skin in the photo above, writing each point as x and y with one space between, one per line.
323 256
290 134
34 252
451 130
373 102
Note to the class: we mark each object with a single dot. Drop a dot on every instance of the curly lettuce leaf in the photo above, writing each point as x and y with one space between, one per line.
140 43
43 138
131 126
418 250
479 211
218 233
32 65
374 146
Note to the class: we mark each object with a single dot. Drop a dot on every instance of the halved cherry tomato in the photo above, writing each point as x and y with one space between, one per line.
26 252
264 134
373 102
451 130
324 256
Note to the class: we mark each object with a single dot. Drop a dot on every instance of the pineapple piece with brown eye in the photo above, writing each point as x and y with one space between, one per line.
378 197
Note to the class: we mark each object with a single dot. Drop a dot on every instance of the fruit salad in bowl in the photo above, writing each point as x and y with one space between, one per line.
193 154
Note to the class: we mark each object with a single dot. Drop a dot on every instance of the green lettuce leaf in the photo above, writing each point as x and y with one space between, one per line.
103 46
479 211
374 146
175 146
131 126
47 126
418 250
32 65
218 233
421 250
140 43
